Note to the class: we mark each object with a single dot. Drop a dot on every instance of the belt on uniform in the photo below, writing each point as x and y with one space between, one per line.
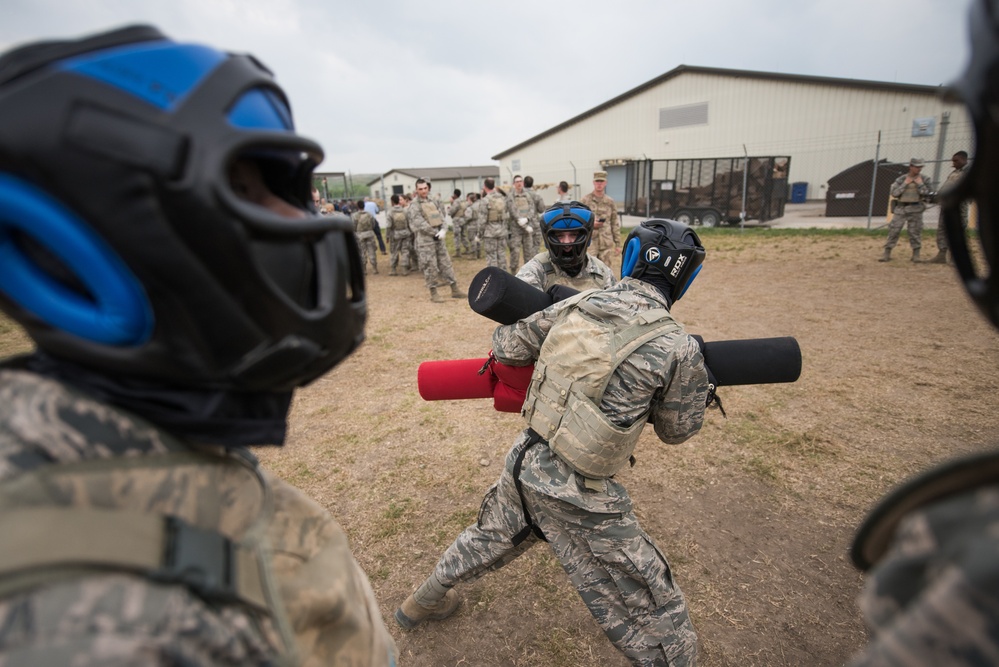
532 439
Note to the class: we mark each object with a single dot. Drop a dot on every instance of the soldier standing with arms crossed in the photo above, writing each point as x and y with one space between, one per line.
607 226
426 220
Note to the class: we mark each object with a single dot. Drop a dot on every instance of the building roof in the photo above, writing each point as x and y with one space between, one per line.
733 73
444 173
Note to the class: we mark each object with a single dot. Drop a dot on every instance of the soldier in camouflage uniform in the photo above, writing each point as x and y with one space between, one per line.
523 225
960 163
929 548
473 232
607 225
539 207
566 229
492 223
364 229
459 223
426 219
606 363
174 309
911 191
400 236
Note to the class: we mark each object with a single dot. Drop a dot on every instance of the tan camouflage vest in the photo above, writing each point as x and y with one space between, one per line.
460 213
432 214
70 520
523 205
364 225
576 363
583 280
495 205
397 219
910 195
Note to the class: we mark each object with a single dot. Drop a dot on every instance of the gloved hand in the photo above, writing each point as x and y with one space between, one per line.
529 229
441 234
522 222
476 239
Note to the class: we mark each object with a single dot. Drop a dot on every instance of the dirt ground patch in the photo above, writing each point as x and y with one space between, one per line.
755 513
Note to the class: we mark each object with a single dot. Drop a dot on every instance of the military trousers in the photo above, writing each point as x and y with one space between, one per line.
521 245
435 261
910 217
942 243
495 251
401 249
618 571
369 250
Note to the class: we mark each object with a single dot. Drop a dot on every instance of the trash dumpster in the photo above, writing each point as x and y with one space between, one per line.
799 191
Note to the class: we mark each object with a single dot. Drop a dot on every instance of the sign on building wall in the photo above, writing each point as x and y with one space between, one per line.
923 127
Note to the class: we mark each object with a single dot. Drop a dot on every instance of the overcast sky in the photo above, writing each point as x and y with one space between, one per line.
441 83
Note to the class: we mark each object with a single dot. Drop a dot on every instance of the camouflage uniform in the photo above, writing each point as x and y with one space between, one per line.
90 471
933 598
494 231
542 273
364 229
952 179
400 238
539 207
521 206
607 237
620 574
908 213
457 211
434 258
473 228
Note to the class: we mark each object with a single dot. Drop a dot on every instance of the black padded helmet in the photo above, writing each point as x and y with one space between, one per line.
124 246
978 88
663 251
567 217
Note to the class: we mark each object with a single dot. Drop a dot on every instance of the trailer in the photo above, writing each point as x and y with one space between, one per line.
708 191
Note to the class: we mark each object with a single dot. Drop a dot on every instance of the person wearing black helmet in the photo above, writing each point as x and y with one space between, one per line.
929 548
606 362
567 230
160 246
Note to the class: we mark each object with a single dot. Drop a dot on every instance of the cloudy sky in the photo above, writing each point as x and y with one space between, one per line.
440 83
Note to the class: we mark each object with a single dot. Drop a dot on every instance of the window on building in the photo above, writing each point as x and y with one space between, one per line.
515 165
682 116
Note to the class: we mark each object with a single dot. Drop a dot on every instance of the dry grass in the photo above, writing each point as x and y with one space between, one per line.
756 512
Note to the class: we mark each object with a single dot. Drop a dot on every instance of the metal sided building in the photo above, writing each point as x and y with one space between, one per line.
825 125
443 180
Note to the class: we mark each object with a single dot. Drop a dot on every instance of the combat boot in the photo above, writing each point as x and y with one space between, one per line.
887 256
457 293
915 255
393 272
435 297
411 613
939 258
405 272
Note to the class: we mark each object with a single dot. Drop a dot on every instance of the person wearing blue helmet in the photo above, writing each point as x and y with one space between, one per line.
159 244
567 229
929 547
606 362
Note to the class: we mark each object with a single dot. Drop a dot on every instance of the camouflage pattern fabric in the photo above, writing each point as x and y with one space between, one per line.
908 215
933 599
595 275
432 252
459 221
622 577
520 245
539 207
94 456
606 237
364 230
496 229
400 238
495 250
951 180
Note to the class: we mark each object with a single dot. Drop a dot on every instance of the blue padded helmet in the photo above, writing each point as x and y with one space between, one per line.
574 217
665 252
126 245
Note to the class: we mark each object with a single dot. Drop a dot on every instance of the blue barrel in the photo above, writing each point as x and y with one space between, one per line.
799 191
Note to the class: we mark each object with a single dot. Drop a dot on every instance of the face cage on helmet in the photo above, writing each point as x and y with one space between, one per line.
571 216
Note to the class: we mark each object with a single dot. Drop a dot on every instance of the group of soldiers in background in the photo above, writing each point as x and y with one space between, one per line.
506 227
